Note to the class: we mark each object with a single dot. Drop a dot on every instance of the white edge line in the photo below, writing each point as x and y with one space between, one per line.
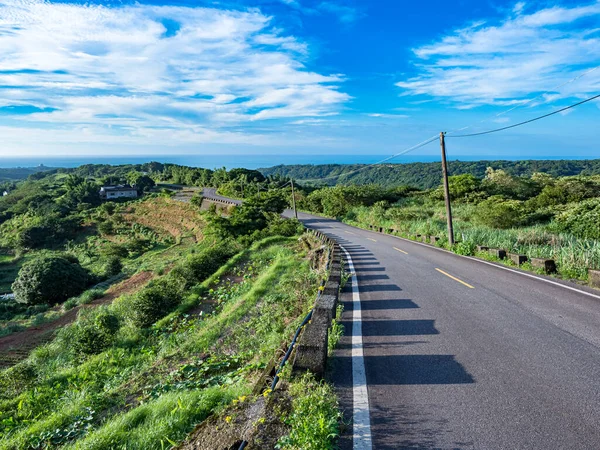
361 437
498 266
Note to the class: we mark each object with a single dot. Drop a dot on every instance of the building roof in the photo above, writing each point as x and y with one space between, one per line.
121 187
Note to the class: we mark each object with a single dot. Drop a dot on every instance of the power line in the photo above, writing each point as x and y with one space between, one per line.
520 105
530 120
410 149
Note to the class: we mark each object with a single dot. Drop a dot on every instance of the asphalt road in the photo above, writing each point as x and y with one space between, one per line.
460 354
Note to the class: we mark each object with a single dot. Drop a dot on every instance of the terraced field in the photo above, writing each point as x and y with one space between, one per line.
167 217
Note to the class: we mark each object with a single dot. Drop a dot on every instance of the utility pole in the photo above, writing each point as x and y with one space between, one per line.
294 199
447 190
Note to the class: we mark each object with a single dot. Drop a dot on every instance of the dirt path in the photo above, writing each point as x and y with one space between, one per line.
17 346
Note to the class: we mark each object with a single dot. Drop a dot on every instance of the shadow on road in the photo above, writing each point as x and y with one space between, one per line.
415 369
378 305
398 327
379 288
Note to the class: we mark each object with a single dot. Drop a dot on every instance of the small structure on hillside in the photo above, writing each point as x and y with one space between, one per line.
120 191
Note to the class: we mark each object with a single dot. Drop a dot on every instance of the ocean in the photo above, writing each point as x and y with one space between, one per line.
228 161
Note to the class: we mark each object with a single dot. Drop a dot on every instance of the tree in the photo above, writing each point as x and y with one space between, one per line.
142 182
49 279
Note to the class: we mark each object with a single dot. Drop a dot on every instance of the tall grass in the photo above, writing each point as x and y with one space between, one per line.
573 255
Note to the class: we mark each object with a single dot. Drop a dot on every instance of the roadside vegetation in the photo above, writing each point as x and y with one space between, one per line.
174 314
538 216
425 175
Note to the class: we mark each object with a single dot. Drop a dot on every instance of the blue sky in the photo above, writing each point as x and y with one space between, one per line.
296 76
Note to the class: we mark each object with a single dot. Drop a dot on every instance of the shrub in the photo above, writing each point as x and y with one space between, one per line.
465 248
115 250
90 296
198 268
106 228
17 379
49 280
95 334
582 219
496 212
197 200
154 302
112 266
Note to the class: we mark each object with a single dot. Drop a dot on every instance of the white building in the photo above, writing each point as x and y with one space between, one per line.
121 191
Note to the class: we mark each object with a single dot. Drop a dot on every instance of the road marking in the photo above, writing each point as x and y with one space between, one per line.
454 278
361 438
401 251
372 239
497 266
350 232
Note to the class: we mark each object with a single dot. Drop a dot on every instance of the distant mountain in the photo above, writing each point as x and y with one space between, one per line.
20 173
425 175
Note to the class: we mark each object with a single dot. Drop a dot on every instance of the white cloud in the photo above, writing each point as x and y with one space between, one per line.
523 55
144 67
388 116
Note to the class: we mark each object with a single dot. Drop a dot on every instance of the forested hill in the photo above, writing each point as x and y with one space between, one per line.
426 175
20 173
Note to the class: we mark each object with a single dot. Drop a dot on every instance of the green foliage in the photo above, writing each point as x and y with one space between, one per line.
154 302
337 201
465 248
198 267
149 388
497 212
94 335
461 187
581 219
567 190
17 379
255 214
315 417
113 266
49 280
426 175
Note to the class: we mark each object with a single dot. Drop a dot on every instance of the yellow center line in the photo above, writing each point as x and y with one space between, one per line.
401 251
372 239
454 278
349 232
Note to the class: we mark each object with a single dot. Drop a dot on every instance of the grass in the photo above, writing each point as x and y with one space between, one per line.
150 387
315 417
573 255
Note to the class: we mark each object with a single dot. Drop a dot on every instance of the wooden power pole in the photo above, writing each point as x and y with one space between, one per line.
294 199
447 190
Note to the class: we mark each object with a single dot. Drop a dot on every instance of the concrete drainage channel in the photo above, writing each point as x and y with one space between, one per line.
259 424
311 351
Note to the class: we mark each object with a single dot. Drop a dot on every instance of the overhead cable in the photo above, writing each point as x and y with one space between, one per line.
528 121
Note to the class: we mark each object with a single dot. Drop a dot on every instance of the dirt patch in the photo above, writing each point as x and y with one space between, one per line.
17 346
256 421
167 217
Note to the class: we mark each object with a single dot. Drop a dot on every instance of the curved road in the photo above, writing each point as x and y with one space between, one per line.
462 354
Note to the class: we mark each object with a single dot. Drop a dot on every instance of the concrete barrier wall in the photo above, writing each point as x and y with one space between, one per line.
311 352
546 265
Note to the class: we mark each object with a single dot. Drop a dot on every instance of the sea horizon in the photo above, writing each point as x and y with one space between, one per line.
245 161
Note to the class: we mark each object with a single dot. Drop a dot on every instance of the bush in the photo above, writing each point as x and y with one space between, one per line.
115 250
582 219
106 228
17 379
112 266
95 334
49 280
154 302
496 212
198 268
